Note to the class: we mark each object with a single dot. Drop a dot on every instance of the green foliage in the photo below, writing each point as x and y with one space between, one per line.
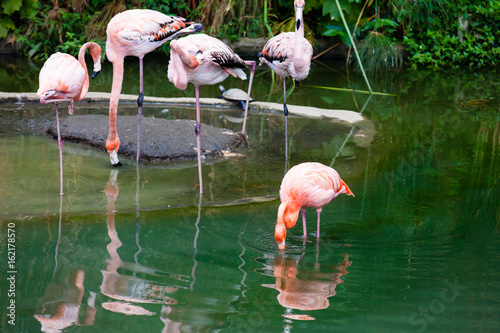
378 53
63 33
233 19
468 36
13 11
437 34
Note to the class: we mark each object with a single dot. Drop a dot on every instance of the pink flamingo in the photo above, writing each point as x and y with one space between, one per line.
135 33
205 60
305 185
65 79
289 54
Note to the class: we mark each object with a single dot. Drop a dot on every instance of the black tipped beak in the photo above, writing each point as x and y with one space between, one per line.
94 74
197 27
119 164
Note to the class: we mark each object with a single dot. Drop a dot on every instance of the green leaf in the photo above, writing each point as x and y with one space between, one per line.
30 8
6 24
374 24
330 8
342 34
11 6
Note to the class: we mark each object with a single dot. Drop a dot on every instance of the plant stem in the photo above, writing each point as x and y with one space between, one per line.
354 46
265 19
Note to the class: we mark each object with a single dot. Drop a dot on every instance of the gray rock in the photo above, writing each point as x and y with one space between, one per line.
161 139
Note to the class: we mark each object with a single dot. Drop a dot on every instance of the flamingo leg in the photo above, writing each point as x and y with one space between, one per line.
304 227
317 230
197 130
140 100
285 112
304 222
244 131
59 140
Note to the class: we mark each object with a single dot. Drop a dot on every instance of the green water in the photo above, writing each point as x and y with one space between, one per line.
417 249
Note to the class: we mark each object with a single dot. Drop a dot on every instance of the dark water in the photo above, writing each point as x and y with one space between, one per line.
132 250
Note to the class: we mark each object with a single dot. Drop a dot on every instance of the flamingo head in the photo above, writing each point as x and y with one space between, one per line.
299 3
96 53
287 217
112 147
299 9
190 28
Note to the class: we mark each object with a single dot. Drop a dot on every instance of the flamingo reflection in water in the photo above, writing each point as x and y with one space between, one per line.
311 290
122 288
59 307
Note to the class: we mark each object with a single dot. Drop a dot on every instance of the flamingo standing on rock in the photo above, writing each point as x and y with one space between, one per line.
289 54
205 60
135 33
65 79
305 185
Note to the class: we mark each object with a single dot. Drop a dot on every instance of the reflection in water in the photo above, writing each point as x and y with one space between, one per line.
302 287
120 286
195 245
59 307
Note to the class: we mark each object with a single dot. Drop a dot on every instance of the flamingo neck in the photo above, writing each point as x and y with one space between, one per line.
114 98
81 60
298 57
280 229
113 141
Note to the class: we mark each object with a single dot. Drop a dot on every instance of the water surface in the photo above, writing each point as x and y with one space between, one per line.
135 249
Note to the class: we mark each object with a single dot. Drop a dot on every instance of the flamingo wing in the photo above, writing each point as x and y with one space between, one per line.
311 185
222 55
279 48
61 76
137 32
150 25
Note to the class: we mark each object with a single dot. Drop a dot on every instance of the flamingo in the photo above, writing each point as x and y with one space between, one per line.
65 79
289 54
205 60
135 33
305 185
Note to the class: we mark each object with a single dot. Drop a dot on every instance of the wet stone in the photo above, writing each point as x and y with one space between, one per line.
161 139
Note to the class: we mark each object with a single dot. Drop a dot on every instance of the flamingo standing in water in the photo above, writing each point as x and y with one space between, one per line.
289 54
205 60
135 33
305 185
65 79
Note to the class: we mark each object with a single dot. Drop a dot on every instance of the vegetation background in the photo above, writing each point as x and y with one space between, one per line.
438 34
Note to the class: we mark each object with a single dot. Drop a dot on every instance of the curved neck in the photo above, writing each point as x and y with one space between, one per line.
81 60
298 56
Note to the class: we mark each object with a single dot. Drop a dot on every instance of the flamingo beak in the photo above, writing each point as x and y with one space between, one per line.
197 27
97 68
113 156
281 246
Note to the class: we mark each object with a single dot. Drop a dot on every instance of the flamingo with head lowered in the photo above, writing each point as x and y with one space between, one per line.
135 33
204 60
289 54
65 79
305 185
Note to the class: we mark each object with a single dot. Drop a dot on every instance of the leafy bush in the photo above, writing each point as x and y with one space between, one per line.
468 36
13 11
